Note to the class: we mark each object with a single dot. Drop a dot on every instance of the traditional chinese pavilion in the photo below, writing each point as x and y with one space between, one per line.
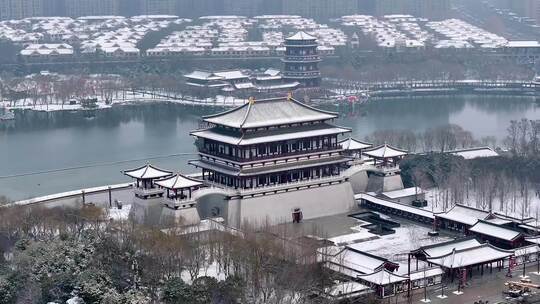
301 60
144 180
274 147
269 142
385 155
354 147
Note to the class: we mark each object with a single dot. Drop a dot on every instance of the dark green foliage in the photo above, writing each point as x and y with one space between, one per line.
518 167
205 290
433 168
231 291
437 168
176 291
8 289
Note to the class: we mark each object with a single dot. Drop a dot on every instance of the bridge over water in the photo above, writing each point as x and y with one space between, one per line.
435 87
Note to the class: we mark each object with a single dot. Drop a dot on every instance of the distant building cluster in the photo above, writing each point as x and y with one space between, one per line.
525 11
228 36
391 30
60 37
462 34
406 31
46 39
318 9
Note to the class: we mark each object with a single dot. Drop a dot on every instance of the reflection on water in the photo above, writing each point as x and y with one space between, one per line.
47 141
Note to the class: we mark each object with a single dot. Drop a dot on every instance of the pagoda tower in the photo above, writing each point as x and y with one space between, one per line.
301 60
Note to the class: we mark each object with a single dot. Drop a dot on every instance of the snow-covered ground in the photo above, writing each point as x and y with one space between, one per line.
119 214
395 246
212 270
353 238
121 99
515 204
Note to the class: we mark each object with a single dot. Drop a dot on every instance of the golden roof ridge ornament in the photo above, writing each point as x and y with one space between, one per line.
251 100
289 96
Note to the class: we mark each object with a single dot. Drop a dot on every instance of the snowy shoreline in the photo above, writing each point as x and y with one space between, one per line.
223 101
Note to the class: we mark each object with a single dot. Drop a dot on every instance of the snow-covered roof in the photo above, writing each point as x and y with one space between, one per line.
270 135
386 203
350 238
533 239
301 35
155 17
230 75
202 75
101 18
269 112
382 277
475 152
244 85
523 44
178 181
385 151
427 273
352 259
354 144
527 250
470 256
403 192
498 221
345 290
147 172
272 72
493 230
445 248
464 214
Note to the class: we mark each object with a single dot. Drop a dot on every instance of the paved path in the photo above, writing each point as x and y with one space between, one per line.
488 288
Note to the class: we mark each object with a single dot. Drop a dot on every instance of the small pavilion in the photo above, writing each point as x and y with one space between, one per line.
384 282
470 258
351 262
145 177
425 252
354 147
385 155
460 218
500 236
178 190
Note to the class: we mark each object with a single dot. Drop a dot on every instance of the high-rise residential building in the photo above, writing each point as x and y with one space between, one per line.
530 9
18 9
53 8
537 11
367 7
158 7
77 8
432 9
242 7
197 8
271 7
523 8
320 9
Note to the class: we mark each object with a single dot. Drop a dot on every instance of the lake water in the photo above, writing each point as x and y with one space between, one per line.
93 152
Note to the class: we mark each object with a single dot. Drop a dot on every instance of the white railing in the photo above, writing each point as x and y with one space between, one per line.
388 169
179 203
148 191
266 188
